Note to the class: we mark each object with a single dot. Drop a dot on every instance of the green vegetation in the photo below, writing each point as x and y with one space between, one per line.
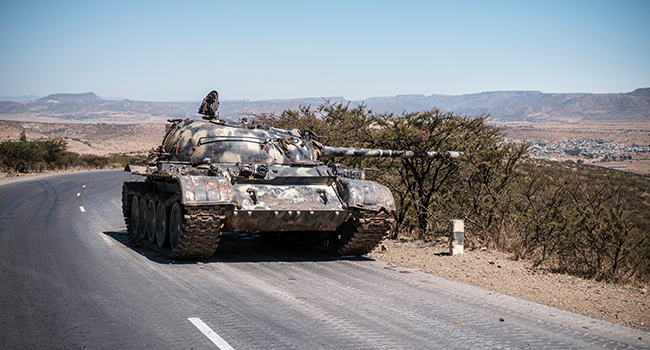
571 218
48 155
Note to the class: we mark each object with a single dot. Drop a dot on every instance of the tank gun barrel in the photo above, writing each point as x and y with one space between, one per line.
329 151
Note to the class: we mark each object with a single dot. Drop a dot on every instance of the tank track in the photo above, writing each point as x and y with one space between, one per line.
201 227
369 230
201 232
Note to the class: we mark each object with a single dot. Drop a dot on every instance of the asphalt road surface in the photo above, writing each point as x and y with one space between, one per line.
69 279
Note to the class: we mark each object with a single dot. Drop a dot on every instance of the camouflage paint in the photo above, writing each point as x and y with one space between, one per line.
268 179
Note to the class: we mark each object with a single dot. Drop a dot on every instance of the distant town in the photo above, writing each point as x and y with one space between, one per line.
586 151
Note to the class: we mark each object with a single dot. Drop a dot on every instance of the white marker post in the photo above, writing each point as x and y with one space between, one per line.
457 237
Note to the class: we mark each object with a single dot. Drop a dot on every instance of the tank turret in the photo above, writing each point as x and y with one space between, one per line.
210 176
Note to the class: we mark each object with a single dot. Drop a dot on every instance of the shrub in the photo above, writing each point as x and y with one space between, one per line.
46 155
572 218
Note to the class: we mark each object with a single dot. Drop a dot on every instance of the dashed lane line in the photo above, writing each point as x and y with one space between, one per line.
208 332
82 209
106 239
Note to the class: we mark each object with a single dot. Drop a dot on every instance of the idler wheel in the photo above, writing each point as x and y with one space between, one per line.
161 226
151 221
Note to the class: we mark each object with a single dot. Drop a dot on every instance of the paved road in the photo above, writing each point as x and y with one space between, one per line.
69 279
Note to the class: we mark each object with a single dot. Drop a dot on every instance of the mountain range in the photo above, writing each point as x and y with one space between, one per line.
503 106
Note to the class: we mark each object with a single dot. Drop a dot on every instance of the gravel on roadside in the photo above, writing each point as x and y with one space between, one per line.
624 305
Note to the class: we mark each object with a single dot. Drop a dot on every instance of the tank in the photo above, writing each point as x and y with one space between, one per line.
210 176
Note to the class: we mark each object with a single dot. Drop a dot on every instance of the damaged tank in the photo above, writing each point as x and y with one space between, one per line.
210 176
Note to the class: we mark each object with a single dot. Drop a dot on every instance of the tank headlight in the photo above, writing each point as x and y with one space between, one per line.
262 170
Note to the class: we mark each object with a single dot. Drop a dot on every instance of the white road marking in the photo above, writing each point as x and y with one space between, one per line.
208 332
78 194
105 237
82 209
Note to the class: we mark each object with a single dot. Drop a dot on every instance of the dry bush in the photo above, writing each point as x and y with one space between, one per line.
577 219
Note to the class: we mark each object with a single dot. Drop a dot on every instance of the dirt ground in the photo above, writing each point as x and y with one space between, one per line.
625 305
98 139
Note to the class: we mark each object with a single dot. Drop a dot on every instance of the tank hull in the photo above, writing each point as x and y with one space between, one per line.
304 201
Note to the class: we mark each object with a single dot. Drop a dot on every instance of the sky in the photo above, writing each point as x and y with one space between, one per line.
261 50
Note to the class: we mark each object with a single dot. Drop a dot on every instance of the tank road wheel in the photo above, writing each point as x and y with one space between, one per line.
175 226
151 221
161 226
335 240
134 226
332 241
314 238
142 220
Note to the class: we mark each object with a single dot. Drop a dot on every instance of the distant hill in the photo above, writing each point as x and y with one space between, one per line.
23 97
531 106
90 108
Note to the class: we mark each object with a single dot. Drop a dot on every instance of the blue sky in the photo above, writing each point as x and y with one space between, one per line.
175 51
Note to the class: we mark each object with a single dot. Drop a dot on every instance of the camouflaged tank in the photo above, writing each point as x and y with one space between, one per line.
209 176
